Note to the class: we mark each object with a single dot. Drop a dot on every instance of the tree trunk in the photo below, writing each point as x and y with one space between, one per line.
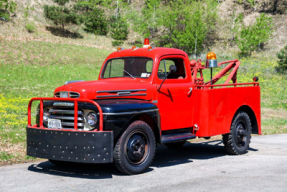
63 26
195 45
153 20
117 9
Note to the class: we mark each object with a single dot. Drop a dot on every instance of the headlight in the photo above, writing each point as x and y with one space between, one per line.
45 115
92 119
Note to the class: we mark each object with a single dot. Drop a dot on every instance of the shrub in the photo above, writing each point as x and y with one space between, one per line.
249 38
6 7
119 28
30 27
61 15
61 2
181 24
138 43
117 43
282 56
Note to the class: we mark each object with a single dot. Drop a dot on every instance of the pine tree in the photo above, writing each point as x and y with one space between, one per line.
93 17
119 29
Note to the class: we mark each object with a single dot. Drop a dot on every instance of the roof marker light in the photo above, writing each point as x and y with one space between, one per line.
134 48
150 48
120 49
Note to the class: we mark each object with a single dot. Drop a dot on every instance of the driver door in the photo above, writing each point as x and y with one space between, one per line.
174 96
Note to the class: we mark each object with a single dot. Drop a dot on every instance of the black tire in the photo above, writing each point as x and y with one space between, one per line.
176 145
237 141
135 149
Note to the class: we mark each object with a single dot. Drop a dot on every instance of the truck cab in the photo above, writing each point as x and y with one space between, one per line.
144 96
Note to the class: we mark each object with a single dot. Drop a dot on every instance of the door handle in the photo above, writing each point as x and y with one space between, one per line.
190 90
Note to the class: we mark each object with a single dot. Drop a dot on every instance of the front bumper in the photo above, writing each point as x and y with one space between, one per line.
73 146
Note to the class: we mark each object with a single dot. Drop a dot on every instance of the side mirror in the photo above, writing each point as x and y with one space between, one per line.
172 69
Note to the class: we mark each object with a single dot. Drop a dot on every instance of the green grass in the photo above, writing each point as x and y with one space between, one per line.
274 126
5 156
34 69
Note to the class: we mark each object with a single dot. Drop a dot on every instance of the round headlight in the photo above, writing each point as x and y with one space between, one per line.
45 116
92 119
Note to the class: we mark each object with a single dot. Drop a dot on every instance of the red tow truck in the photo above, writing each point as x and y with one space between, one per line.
144 96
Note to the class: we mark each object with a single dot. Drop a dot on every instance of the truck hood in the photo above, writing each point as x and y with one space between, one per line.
111 88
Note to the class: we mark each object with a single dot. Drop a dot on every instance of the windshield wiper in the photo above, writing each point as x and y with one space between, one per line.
129 74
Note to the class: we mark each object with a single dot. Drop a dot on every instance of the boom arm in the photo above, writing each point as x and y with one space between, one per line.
230 69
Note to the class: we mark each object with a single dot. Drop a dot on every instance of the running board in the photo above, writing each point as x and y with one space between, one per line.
172 138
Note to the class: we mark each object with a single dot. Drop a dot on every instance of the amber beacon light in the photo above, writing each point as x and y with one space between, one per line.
211 62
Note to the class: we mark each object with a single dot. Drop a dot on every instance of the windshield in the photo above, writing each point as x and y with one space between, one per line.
132 67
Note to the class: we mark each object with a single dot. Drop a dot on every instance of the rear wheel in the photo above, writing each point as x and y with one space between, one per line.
135 149
237 141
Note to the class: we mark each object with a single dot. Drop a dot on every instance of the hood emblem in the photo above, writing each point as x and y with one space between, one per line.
74 81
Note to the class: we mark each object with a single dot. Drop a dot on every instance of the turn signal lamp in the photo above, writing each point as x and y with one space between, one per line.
211 61
146 43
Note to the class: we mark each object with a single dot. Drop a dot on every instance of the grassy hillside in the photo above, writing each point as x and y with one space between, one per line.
31 69
221 40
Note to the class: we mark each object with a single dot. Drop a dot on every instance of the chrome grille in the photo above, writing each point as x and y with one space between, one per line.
71 94
67 117
74 95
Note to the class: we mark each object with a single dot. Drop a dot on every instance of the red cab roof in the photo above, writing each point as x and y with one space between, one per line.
155 53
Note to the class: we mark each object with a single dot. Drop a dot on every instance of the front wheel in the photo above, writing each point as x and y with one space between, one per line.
135 149
237 141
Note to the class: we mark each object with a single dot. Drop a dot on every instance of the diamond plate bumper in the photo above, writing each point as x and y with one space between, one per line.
82 147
